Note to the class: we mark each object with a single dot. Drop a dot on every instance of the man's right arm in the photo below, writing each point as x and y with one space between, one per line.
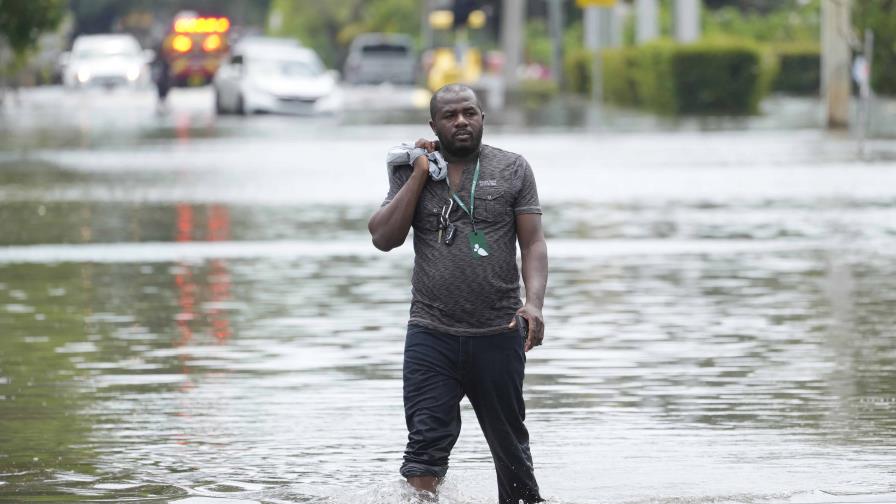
390 225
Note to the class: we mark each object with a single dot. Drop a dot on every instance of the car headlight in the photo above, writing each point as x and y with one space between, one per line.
83 75
133 73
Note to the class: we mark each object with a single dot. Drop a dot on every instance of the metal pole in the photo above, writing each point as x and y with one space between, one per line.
865 91
425 28
687 20
647 19
513 15
555 16
592 21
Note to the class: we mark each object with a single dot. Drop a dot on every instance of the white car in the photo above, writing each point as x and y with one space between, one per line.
107 61
275 78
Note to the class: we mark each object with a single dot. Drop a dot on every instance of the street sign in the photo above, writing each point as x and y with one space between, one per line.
595 3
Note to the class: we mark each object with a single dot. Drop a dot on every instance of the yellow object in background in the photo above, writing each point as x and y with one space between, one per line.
595 3
455 64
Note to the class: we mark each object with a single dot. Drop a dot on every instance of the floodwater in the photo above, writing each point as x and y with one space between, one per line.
191 311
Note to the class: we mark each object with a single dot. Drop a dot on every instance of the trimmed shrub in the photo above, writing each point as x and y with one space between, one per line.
708 77
800 70
717 78
618 77
577 69
534 92
655 80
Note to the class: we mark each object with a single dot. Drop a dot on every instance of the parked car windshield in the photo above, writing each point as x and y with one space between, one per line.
106 49
287 67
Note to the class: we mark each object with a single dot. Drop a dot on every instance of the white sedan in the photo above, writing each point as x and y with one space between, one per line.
106 60
276 79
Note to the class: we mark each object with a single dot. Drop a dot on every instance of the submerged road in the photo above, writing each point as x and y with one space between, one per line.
191 310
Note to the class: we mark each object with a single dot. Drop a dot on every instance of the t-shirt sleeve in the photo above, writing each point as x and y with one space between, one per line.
398 176
526 201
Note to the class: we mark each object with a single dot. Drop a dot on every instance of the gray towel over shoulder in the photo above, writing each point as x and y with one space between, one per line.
406 154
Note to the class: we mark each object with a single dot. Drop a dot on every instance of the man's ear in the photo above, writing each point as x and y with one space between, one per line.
432 126
483 117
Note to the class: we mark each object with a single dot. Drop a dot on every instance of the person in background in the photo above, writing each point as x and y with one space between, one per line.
161 72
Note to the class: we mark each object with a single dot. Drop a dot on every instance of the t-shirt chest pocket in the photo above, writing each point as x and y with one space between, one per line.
491 205
429 208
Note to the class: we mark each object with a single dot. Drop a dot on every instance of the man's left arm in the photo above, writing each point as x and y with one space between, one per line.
534 253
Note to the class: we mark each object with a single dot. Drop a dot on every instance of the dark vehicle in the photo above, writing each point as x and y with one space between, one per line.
374 58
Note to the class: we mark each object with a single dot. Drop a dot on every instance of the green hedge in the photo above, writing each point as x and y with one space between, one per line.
621 90
576 71
800 70
709 77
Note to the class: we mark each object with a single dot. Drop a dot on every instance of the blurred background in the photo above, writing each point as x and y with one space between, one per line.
191 310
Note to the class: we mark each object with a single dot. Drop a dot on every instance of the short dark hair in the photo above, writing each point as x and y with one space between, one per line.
450 89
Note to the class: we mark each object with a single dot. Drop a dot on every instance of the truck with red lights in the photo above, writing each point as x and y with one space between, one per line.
195 48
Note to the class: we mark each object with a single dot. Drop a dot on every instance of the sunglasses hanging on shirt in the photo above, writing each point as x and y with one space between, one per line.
446 228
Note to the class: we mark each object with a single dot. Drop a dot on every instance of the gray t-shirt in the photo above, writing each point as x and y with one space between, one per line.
455 291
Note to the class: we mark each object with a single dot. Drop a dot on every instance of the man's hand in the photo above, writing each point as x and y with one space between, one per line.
429 145
536 326
421 164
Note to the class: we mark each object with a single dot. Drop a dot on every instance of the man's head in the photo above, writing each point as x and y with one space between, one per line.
457 119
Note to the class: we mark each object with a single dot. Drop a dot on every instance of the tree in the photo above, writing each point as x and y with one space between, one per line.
22 22
330 26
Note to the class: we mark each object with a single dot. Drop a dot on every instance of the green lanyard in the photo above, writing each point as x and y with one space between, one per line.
472 196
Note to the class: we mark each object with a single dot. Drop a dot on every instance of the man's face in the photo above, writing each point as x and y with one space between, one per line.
458 123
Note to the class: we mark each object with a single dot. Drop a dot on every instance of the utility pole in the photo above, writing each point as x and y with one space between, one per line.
592 25
836 30
425 27
513 16
647 19
555 18
687 20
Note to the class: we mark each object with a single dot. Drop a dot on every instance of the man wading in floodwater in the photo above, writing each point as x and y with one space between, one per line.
462 337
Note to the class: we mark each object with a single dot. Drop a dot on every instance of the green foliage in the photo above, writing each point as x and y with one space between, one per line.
97 16
538 42
619 77
880 17
788 23
576 70
330 26
22 21
533 93
800 69
717 78
654 76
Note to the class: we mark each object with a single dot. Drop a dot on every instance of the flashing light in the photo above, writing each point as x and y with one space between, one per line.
441 19
211 43
477 19
181 43
133 74
202 25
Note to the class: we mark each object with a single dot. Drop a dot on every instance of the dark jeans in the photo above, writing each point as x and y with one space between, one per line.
439 369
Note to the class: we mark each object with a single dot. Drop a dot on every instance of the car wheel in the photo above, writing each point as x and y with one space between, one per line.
219 107
241 105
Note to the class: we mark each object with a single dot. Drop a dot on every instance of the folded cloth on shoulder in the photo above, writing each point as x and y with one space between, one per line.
406 154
